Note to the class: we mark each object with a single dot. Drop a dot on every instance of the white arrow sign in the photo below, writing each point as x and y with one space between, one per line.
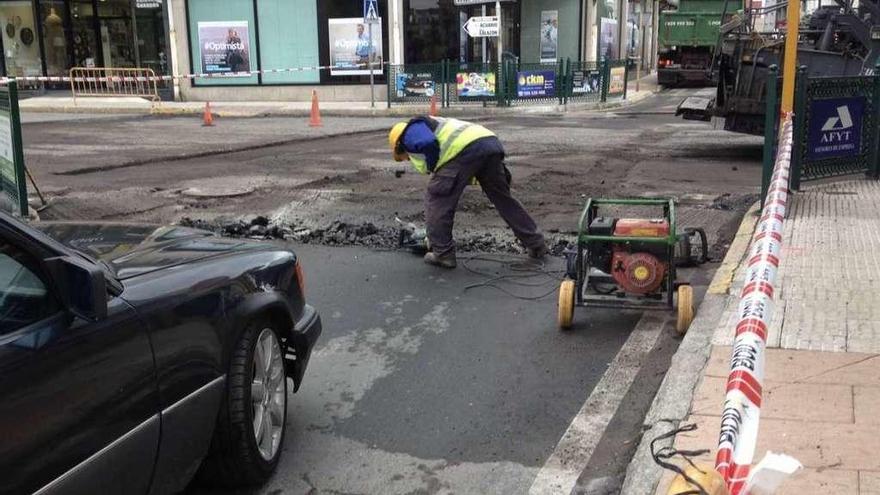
481 27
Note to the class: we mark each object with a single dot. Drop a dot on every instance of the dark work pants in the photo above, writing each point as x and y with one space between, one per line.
481 159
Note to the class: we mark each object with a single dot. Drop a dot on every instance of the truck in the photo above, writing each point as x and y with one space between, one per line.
836 39
688 35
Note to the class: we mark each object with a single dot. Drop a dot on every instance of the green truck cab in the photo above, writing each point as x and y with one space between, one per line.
687 38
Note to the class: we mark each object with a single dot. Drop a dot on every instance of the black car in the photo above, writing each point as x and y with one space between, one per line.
133 358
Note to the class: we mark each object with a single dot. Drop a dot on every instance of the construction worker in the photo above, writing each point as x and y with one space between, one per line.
454 153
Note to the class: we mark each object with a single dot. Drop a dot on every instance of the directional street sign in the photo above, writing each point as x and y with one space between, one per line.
482 27
371 11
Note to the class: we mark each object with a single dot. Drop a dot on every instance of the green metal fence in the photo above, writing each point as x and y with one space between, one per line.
510 84
530 84
835 126
12 173
415 84
473 83
585 81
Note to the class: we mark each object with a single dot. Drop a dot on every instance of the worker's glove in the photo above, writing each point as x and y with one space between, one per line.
507 174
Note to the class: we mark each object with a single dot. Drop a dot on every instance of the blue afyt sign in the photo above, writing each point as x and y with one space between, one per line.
835 128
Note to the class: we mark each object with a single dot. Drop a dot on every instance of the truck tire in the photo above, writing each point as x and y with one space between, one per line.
241 452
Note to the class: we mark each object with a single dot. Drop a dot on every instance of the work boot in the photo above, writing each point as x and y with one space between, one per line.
446 261
538 253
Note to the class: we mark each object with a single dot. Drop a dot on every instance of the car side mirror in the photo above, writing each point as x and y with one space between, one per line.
82 286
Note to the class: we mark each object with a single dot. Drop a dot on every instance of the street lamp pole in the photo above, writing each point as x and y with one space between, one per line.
789 71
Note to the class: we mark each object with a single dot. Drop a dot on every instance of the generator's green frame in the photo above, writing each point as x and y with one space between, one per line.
584 239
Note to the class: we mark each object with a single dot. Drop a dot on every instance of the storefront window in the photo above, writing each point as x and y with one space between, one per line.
53 15
223 40
117 34
346 39
609 31
433 32
21 49
150 30
85 39
633 31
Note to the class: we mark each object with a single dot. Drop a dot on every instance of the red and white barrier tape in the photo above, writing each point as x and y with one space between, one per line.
119 79
742 404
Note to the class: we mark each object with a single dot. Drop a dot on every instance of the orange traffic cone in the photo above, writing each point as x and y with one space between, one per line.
433 112
208 118
315 120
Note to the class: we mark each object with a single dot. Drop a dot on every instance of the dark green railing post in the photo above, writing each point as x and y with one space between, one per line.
388 83
606 74
569 81
18 149
443 88
501 83
798 141
874 164
771 117
560 67
625 76
511 80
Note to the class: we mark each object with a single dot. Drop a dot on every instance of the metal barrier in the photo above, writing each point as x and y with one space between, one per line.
742 403
113 82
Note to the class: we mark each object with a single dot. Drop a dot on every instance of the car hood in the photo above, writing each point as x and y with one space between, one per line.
132 249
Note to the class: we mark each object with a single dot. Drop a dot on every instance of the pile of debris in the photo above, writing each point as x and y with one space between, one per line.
364 234
258 228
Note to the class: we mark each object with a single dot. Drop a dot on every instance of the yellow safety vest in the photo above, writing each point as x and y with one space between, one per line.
454 136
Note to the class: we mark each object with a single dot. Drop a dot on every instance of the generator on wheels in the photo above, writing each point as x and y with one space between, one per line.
630 263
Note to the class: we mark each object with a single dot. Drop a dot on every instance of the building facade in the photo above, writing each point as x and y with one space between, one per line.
216 36
179 37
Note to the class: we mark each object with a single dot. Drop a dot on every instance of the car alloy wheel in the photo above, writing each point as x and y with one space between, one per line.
268 394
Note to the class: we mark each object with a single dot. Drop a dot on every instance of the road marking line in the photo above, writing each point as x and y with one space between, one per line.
572 454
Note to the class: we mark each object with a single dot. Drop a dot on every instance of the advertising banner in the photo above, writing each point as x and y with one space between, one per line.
835 128
584 82
13 190
617 81
419 85
475 84
549 35
608 39
225 47
350 49
536 84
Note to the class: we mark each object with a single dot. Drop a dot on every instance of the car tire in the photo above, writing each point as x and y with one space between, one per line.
239 455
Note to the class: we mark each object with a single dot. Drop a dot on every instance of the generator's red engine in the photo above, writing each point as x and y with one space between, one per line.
637 267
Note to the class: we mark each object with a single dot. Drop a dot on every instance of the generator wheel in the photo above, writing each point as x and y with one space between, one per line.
685 308
566 304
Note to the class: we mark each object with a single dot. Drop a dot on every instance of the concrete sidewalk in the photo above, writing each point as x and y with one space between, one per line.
822 380
132 105
62 103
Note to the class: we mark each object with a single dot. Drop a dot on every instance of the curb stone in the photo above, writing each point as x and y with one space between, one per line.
672 403
380 111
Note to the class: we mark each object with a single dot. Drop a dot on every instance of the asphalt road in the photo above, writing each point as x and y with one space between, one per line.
421 386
